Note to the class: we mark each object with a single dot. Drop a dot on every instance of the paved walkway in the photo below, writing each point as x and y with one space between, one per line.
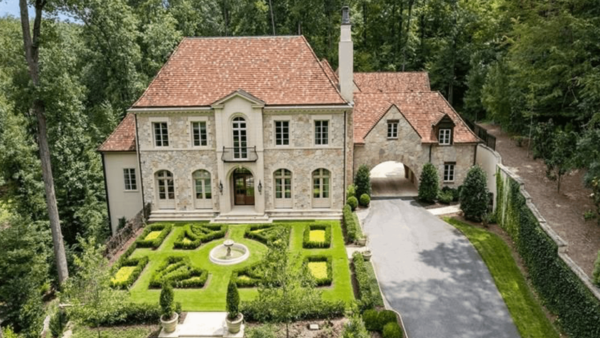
432 275
387 180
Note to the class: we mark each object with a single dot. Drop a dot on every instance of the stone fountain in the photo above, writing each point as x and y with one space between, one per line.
229 253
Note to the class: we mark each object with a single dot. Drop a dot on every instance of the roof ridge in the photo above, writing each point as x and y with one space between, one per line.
457 114
387 72
323 69
240 37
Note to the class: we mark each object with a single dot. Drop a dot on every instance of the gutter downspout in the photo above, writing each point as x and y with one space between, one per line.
137 150
106 192
475 154
430 145
345 144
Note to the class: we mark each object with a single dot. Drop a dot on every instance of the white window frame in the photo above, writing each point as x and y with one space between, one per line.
449 172
201 132
392 129
153 122
275 133
199 119
239 125
444 136
324 141
129 179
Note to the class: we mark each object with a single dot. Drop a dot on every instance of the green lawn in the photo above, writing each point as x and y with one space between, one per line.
212 296
525 310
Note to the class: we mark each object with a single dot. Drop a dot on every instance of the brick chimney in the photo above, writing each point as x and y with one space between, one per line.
346 57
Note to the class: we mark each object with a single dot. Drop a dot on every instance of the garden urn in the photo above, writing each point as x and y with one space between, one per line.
171 324
234 326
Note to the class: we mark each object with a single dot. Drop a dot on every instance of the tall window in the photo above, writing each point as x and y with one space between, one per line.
199 134
320 183
282 133
283 183
449 172
392 129
166 188
202 184
239 138
321 132
130 182
444 136
161 134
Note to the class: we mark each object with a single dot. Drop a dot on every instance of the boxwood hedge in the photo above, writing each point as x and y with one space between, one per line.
264 233
248 277
321 258
198 234
366 294
308 244
164 228
562 291
179 272
139 263
265 312
353 232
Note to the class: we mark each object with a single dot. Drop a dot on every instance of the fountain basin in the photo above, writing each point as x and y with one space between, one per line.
239 253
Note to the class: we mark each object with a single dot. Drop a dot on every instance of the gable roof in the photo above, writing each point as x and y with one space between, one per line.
329 71
279 70
122 138
384 82
421 110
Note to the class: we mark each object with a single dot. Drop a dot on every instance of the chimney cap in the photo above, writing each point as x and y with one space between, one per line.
345 15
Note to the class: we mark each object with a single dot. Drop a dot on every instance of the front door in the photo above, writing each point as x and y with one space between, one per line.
244 188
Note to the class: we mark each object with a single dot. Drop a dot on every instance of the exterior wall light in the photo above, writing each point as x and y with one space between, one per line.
221 187
259 187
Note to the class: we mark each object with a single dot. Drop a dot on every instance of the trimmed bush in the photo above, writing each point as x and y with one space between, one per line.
248 277
392 330
353 203
138 263
455 192
351 225
308 244
371 319
321 281
474 195
164 228
362 181
596 273
445 197
387 316
178 272
264 233
365 291
167 301
129 314
196 234
233 301
428 183
365 200
321 310
351 191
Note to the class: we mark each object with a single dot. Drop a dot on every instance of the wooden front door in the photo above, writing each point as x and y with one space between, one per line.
244 188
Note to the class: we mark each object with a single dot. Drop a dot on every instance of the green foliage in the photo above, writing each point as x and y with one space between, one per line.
596 272
596 194
428 183
556 146
179 273
454 191
233 301
377 320
9 333
266 233
164 228
321 258
351 191
366 292
445 197
352 202
167 301
352 227
262 331
196 234
365 200
562 291
362 181
308 244
139 263
392 330
589 215
355 328
474 194
248 277
58 322
129 314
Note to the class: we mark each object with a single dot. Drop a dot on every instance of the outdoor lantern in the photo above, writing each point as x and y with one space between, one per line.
221 187
259 187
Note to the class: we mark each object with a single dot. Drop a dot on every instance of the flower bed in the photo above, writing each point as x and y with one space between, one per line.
196 234
248 277
317 236
320 267
150 240
179 272
127 271
264 233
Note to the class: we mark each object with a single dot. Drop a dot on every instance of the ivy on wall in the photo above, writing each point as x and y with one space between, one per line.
562 291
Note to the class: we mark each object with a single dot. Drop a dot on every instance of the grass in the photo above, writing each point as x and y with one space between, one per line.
318 269
152 235
526 311
115 332
212 296
317 236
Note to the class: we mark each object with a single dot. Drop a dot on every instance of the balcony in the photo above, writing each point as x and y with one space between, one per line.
239 154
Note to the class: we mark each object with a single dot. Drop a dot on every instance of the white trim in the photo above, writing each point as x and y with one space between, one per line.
341 107
209 108
168 110
191 121
154 120
327 118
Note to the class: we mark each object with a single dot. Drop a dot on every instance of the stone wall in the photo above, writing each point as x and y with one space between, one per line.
462 154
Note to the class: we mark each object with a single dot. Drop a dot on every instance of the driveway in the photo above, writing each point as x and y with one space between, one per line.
432 275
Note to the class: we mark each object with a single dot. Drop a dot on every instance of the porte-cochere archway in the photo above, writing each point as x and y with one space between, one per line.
393 179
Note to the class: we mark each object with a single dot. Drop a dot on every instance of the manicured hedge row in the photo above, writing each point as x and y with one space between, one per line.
164 228
198 234
253 276
562 291
366 294
353 232
308 244
376 320
322 258
139 263
179 272
265 236
129 314
254 311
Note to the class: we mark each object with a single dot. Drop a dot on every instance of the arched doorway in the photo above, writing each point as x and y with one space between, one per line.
166 189
393 179
243 183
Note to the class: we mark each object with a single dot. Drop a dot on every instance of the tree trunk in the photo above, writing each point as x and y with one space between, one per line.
272 17
410 7
32 56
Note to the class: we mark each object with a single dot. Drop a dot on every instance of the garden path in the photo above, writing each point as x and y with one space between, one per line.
431 274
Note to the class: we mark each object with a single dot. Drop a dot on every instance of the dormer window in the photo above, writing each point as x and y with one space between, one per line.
445 136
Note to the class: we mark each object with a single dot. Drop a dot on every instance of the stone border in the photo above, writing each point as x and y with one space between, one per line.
233 261
563 246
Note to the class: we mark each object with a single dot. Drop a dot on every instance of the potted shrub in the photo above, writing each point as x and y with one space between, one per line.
234 317
169 317
367 255
362 241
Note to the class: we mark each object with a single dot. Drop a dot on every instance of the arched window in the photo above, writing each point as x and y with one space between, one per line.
283 188
166 189
202 184
240 141
321 181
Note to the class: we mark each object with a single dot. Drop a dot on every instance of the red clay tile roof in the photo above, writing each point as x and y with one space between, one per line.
330 72
421 110
281 70
122 138
392 82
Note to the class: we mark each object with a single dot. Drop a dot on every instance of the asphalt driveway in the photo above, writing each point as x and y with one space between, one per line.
432 275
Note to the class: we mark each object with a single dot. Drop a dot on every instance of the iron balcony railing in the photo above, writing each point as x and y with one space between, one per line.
239 154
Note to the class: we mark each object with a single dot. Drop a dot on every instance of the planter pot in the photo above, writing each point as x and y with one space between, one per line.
367 255
362 241
234 326
169 325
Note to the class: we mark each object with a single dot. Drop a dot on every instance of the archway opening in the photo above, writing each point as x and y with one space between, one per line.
393 179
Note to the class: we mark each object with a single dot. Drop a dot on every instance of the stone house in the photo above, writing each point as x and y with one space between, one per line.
239 129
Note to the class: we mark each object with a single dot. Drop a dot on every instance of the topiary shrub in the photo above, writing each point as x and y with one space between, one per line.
353 203
233 301
351 224
385 317
371 319
166 301
392 330
362 181
596 273
445 197
474 195
428 183
365 200
351 191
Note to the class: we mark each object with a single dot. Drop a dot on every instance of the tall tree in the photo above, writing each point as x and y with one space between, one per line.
32 50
